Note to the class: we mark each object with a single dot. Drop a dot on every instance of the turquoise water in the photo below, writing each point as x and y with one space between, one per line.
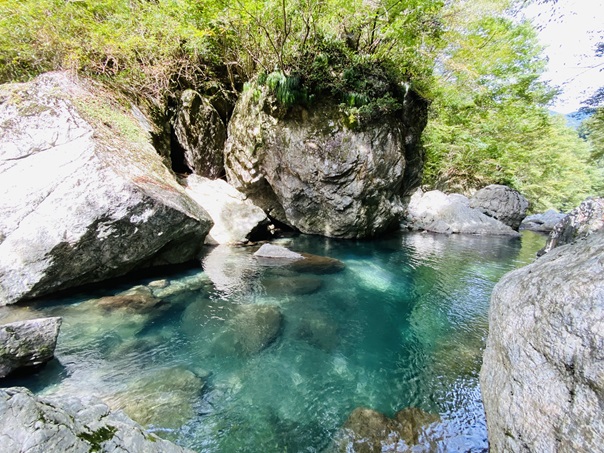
240 355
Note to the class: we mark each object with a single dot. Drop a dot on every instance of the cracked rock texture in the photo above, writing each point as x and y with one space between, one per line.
32 424
307 169
84 196
542 377
582 221
27 344
502 203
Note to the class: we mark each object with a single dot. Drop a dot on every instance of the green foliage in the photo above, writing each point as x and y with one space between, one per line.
489 122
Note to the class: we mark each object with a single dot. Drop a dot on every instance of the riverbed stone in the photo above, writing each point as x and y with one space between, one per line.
438 212
543 222
34 424
139 299
84 196
286 285
200 133
27 344
163 398
236 219
582 221
502 203
542 377
253 328
308 169
369 431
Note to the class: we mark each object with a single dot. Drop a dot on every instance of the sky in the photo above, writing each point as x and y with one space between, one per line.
570 29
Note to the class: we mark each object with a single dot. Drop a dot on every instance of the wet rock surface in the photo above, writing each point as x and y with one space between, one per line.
27 344
502 203
544 222
70 425
542 378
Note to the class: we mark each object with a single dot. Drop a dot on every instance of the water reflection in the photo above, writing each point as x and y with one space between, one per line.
241 356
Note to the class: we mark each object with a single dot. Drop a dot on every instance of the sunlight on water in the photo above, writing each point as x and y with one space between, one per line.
244 356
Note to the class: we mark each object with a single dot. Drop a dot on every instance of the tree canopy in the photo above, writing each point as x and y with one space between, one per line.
475 60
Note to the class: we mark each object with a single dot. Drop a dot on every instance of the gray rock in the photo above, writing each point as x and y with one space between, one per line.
441 213
27 344
70 425
502 203
236 219
544 222
277 252
201 134
84 195
580 222
308 170
542 377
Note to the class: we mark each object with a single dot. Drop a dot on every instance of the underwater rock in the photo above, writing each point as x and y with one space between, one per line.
542 377
27 344
70 425
502 203
369 431
163 398
318 331
252 329
280 285
315 264
136 300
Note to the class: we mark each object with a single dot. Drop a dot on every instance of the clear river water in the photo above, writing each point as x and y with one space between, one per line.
242 355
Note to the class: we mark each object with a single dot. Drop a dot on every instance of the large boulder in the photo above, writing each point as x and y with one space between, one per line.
502 203
200 133
70 425
438 212
84 196
582 221
27 344
542 377
236 219
544 222
307 169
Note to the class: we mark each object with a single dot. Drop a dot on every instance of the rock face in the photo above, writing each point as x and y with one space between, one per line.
543 223
236 219
39 425
308 170
441 213
84 196
502 203
542 377
580 222
27 344
201 134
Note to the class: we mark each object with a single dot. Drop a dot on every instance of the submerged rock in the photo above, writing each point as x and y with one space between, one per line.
201 133
502 203
163 398
369 431
542 378
543 223
70 425
236 219
582 221
438 212
85 197
137 300
309 170
252 329
27 344
316 264
282 285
